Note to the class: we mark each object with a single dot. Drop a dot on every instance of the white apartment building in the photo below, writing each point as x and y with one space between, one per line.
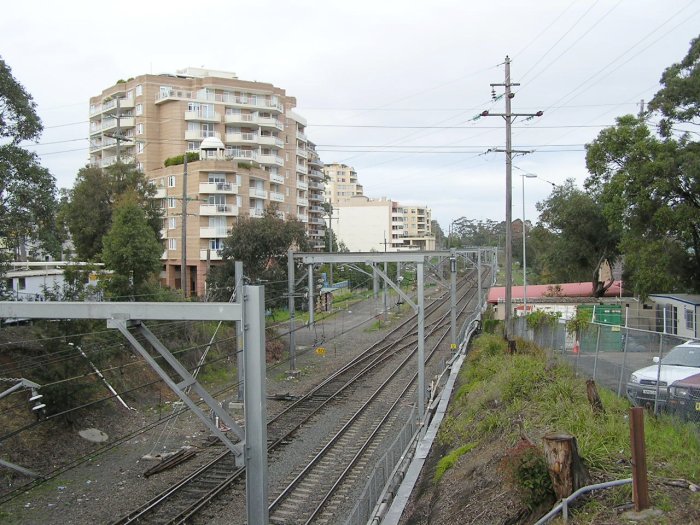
364 224
341 183
255 153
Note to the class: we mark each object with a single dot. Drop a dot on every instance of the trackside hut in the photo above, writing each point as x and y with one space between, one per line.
677 314
554 298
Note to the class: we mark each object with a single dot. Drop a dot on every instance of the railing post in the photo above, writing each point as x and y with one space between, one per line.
640 489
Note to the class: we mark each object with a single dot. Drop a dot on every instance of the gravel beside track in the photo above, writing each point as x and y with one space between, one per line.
112 483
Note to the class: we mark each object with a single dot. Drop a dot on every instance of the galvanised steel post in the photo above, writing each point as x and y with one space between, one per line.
421 343
240 354
311 295
478 273
453 301
255 406
292 327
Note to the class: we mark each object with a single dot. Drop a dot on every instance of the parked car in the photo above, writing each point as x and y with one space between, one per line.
681 362
684 398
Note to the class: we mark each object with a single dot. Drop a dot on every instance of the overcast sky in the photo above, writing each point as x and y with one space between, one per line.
388 87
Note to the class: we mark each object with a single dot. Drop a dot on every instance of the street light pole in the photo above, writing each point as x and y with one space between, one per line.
524 176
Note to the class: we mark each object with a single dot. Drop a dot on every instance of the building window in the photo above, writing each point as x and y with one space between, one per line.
139 147
171 181
172 202
192 146
130 94
690 319
21 283
139 128
216 244
139 166
138 109
139 90
172 244
172 223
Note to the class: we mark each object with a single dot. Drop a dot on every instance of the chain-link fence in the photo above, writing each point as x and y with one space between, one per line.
609 354
381 473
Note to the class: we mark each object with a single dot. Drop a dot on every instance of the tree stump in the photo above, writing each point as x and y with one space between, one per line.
594 398
567 471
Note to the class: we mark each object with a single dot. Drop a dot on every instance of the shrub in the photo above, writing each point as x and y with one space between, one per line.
526 468
192 156
540 318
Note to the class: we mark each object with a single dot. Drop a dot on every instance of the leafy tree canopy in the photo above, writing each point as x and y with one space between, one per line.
131 248
262 245
576 234
679 98
27 190
93 199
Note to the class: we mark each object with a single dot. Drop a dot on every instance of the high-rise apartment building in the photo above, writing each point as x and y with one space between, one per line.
254 153
418 227
341 183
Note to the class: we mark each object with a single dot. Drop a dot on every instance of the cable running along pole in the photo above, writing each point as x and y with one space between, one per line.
509 117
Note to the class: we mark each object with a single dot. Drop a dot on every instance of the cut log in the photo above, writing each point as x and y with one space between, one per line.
594 398
567 471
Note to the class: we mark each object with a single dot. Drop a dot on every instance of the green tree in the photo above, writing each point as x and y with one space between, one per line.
27 190
678 100
578 237
93 199
650 192
131 249
262 245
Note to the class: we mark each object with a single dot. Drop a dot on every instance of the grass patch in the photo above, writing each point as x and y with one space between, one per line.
450 459
503 396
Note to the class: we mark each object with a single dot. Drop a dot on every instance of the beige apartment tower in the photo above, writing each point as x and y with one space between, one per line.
341 183
253 150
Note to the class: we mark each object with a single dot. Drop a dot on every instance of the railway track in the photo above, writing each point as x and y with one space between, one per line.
185 499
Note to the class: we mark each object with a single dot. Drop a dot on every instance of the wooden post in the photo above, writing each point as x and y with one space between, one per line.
565 466
594 398
640 486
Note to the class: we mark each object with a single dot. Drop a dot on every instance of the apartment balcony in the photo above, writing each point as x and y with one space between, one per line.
218 187
257 193
256 212
314 185
218 209
268 122
213 233
302 217
302 169
242 154
161 193
276 196
302 153
164 255
240 118
315 197
163 233
173 94
302 136
316 209
241 138
111 105
277 179
274 160
317 220
269 140
214 255
302 185
111 123
302 201
315 161
198 134
201 116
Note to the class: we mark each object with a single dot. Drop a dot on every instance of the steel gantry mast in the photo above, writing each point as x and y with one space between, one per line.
251 450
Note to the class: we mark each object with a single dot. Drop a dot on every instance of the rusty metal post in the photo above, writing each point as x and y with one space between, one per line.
640 487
